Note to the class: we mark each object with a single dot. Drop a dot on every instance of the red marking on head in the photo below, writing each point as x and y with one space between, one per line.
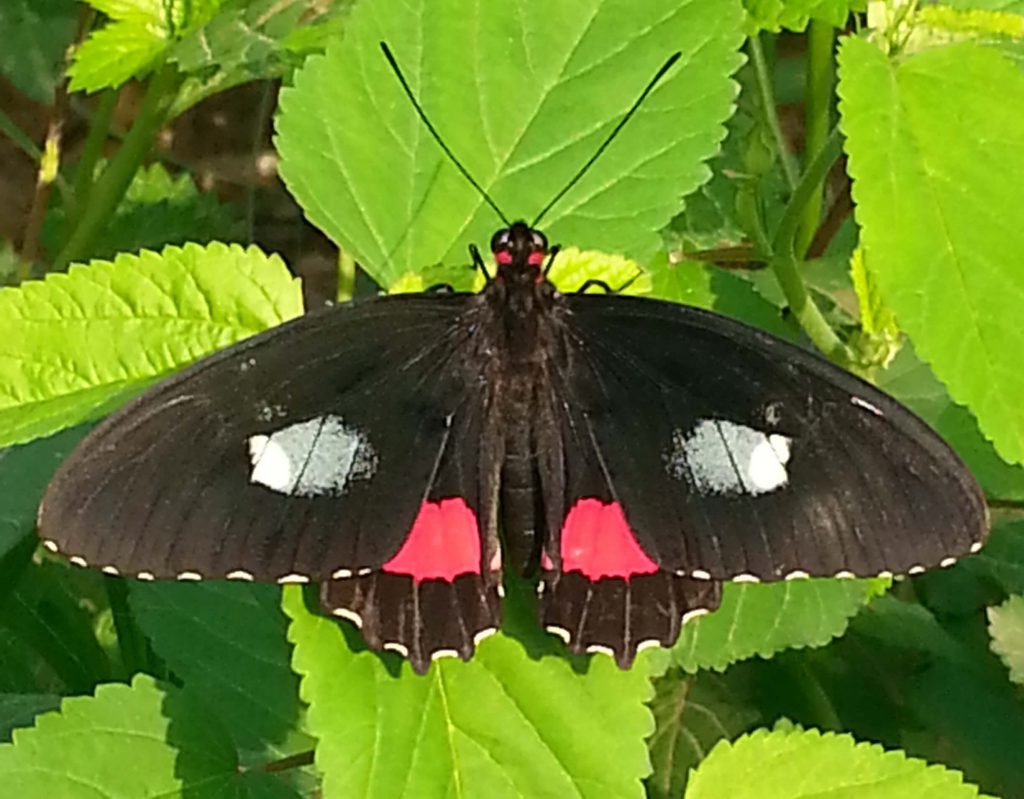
443 543
597 541
503 257
536 257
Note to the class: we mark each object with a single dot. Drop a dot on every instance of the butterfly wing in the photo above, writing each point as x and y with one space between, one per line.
735 453
320 450
692 449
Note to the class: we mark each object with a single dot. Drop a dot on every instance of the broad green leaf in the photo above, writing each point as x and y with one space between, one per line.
35 36
979 723
949 264
691 714
547 83
1006 626
910 381
787 764
764 618
73 345
24 472
500 725
226 641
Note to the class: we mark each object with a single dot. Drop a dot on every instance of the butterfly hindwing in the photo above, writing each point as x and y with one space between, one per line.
734 453
439 594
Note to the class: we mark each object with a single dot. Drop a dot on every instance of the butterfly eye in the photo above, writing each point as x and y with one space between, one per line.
500 241
539 241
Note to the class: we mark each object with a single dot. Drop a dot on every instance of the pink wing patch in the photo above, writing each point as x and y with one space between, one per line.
597 541
443 543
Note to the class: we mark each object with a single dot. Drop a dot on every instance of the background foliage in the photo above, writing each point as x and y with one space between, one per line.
856 166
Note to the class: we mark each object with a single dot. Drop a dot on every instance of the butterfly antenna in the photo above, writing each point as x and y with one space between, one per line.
604 145
437 136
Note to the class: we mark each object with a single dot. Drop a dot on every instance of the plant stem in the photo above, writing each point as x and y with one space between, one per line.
21 139
130 640
99 129
110 187
785 258
292 761
771 115
817 116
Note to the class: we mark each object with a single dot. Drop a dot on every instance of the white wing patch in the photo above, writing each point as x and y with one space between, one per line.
723 457
319 456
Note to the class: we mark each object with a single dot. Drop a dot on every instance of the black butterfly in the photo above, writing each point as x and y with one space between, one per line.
636 453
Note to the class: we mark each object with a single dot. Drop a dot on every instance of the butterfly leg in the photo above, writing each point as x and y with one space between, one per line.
478 261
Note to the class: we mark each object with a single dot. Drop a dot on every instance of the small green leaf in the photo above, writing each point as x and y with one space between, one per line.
949 266
788 764
240 627
73 345
114 55
765 618
364 168
500 725
1006 626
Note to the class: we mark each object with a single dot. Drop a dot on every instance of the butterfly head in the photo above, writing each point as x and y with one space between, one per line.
520 248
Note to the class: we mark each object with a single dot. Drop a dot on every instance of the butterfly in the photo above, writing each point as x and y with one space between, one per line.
406 451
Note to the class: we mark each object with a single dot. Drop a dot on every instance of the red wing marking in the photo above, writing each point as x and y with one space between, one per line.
443 543
597 541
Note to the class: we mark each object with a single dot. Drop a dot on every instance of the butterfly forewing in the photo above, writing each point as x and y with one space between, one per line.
734 453
300 452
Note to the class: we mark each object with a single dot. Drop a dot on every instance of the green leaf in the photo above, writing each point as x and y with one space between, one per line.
74 345
35 36
500 725
979 723
24 472
114 55
240 628
128 742
364 168
20 710
774 15
910 381
691 714
950 268
764 618
705 286
807 763
1006 626
1002 557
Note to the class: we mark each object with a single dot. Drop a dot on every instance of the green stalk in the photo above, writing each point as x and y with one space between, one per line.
130 640
99 129
766 92
785 261
817 116
110 187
